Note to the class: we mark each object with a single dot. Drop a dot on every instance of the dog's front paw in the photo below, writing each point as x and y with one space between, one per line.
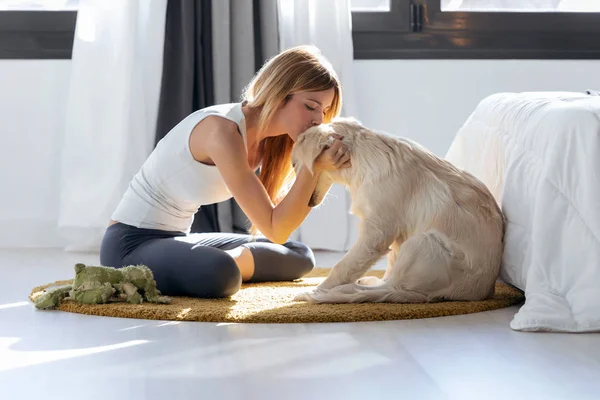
325 286
304 296
369 281
309 297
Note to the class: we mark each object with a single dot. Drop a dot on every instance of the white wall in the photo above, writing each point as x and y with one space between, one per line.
429 100
424 100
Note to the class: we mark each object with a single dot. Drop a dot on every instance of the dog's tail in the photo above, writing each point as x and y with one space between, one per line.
355 293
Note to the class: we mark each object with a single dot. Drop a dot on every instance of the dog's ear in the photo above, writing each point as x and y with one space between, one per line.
307 148
309 145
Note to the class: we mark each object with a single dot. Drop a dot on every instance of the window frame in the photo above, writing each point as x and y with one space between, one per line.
473 35
37 35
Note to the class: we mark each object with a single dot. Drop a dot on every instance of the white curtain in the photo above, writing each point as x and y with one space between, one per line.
116 72
325 24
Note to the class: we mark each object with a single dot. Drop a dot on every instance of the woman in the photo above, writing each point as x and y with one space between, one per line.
212 155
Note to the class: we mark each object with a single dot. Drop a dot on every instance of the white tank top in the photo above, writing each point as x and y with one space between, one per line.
171 185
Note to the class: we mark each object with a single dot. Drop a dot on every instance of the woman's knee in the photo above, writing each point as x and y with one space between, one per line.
227 279
203 272
222 275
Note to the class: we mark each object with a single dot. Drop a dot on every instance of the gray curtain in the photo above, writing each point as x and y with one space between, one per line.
187 79
244 35
212 49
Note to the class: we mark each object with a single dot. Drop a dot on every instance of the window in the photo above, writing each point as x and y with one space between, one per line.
521 5
476 29
37 29
47 5
370 5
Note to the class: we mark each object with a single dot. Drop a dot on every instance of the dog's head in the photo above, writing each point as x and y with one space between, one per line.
313 141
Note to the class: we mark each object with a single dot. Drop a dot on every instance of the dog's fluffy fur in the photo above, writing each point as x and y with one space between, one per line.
441 227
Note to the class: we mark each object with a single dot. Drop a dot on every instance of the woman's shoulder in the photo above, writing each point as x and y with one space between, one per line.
218 126
222 117
214 131
227 110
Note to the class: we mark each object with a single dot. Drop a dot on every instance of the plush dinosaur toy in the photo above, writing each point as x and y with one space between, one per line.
98 285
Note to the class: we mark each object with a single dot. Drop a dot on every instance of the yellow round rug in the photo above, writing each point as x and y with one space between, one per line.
272 302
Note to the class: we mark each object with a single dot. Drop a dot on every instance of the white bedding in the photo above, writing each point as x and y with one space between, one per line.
539 153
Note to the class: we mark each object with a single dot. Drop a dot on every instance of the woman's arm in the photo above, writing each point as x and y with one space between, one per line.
225 148
291 211
228 153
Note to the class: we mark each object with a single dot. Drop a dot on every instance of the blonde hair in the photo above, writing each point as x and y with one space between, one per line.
298 69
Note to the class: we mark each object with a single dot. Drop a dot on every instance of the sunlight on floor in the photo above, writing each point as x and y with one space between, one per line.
169 323
12 305
131 328
13 359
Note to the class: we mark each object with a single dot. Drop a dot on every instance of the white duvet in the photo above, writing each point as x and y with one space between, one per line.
539 153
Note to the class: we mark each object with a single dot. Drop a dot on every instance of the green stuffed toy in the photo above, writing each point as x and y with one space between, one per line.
99 285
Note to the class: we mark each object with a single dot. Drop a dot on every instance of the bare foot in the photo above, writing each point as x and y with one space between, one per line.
244 260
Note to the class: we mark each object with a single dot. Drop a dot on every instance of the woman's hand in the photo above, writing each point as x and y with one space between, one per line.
333 158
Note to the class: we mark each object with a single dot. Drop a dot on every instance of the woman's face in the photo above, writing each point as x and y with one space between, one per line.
303 110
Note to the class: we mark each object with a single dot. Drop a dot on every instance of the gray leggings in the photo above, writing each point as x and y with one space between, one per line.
196 265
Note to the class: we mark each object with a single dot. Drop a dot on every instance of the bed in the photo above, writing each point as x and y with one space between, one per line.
539 154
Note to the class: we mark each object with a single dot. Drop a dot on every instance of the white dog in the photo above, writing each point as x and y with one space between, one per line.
441 226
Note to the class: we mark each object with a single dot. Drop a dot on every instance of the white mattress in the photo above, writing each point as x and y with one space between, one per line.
539 153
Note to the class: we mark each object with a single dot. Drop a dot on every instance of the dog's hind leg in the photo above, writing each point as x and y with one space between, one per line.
427 264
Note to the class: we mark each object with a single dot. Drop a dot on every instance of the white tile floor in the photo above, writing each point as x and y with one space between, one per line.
62 355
